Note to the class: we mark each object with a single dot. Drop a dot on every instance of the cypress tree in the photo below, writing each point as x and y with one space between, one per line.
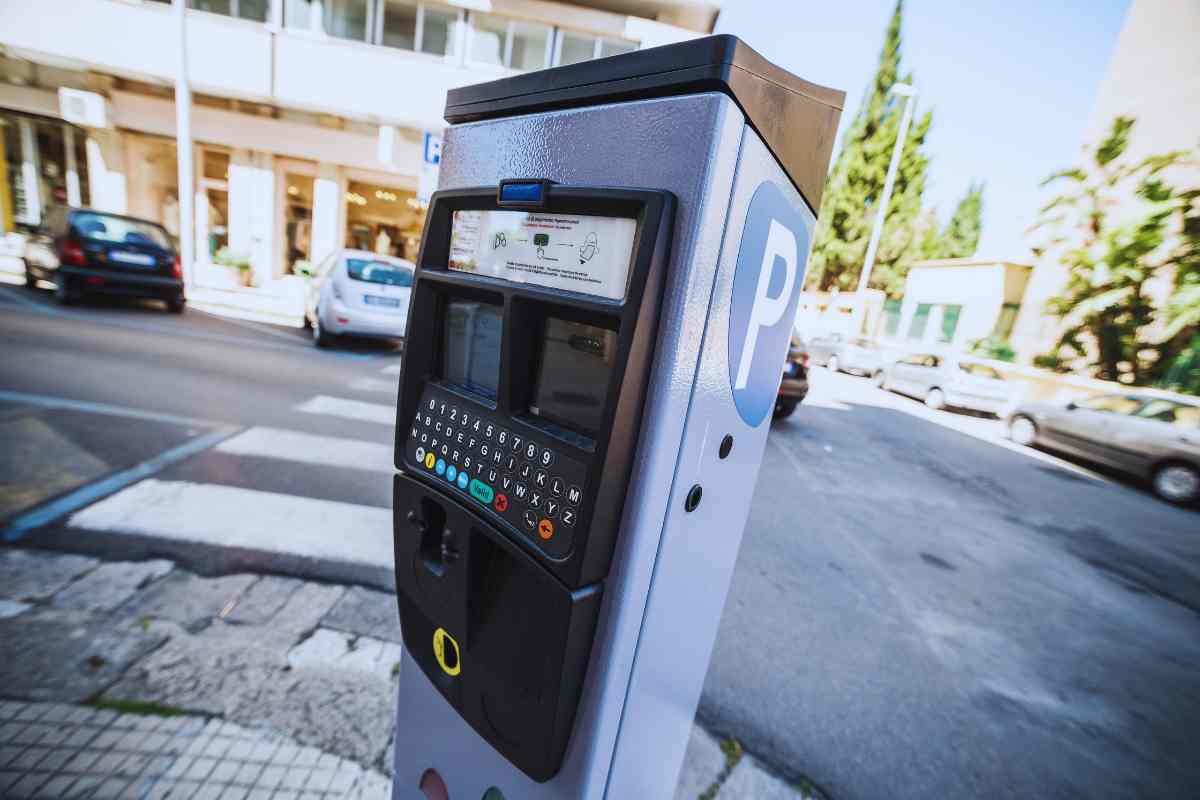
856 181
960 238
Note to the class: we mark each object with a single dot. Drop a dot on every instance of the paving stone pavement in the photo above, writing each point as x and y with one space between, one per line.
58 751
279 688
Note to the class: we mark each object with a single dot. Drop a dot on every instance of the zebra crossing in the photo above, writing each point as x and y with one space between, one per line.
333 514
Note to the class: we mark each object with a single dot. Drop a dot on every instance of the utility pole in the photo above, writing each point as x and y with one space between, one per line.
183 151
909 94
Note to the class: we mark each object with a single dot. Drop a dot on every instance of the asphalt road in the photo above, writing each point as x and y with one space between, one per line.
931 613
935 615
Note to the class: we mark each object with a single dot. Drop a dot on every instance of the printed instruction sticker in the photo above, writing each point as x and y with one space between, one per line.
577 253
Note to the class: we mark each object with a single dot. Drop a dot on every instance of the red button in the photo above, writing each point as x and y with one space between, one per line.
545 529
501 502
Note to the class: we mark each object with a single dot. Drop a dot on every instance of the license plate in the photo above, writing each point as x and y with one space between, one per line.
138 259
387 302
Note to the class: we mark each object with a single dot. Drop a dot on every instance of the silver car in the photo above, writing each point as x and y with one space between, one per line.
359 293
1152 438
845 354
946 382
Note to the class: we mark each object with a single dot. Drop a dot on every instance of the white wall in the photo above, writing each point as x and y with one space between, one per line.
978 289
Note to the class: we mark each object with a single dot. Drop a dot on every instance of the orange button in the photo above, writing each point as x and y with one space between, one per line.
545 529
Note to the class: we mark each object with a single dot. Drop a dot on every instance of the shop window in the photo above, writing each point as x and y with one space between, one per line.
920 320
508 43
950 315
573 48
256 10
216 165
383 220
212 212
297 219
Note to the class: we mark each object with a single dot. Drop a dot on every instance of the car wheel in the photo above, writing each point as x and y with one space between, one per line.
177 305
832 363
62 295
1022 430
784 406
936 399
1177 483
320 336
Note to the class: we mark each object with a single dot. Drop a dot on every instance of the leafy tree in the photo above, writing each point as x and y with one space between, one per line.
1118 226
856 181
960 238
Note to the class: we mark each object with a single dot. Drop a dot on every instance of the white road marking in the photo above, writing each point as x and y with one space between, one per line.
391 369
246 519
350 409
374 385
308 448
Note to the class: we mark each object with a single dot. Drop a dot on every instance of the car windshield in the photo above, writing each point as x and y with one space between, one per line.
1175 413
980 371
1112 403
118 230
373 271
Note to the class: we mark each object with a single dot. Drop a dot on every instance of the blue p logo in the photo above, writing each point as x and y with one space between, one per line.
766 289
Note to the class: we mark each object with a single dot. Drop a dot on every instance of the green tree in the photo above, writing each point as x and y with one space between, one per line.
1117 226
960 237
846 217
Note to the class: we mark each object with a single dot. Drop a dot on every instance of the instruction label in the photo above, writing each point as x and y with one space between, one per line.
577 253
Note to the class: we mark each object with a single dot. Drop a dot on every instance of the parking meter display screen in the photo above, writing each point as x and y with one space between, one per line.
575 252
471 347
572 381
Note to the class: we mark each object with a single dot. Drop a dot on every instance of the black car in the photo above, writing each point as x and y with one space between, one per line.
82 251
795 380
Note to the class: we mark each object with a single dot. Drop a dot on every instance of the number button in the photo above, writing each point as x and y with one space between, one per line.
432 404
502 437
515 446
453 414
489 430
476 426
531 451
556 486
462 419
547 457
442 410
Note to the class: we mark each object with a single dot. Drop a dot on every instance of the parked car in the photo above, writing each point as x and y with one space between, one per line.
83 252
946 381
359 293
794 387
845 354
1152 438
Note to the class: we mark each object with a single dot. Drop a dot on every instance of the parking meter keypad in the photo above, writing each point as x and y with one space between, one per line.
525 480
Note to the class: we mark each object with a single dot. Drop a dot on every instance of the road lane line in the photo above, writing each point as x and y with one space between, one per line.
86 495
349 409
310 448
373 385
246 519
47 401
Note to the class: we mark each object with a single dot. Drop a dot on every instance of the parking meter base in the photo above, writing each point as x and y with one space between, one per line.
503 641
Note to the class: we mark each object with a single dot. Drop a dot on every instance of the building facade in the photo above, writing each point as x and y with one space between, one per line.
309 117
958 301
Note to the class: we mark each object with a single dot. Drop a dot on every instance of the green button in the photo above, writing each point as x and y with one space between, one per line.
481 491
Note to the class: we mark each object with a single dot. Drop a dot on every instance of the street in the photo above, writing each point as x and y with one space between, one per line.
919 608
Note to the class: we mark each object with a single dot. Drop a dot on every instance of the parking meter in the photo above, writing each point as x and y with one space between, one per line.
602 305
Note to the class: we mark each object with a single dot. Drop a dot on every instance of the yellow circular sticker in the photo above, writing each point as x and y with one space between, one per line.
445 650
429 461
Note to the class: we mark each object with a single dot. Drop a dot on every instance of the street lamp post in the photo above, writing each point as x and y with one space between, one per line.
909 94
183 151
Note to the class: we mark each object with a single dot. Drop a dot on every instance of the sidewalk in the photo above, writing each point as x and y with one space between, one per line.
144 680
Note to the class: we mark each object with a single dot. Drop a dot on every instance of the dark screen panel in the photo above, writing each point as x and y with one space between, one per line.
573 375
471 353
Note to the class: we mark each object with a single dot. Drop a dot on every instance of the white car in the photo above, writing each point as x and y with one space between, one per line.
354 292
946 381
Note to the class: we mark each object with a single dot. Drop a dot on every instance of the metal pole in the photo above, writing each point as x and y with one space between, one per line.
889 183
183 150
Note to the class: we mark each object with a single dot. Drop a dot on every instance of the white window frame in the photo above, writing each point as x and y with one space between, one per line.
378 9
597 44
506 53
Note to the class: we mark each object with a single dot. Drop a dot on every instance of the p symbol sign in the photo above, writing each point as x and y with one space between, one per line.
766 289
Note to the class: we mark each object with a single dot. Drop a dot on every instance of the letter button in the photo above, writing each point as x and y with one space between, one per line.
539 479
535 499
557 486
552 507
568 517
530 519
520 490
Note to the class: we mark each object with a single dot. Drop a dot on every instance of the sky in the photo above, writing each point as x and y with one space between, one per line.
1011 85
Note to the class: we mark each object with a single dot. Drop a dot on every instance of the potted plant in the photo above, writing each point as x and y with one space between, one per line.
237 261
